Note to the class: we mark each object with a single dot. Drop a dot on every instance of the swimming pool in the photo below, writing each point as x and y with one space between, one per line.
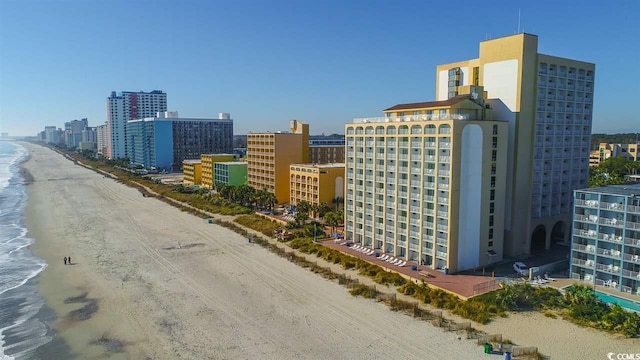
610 299
627 304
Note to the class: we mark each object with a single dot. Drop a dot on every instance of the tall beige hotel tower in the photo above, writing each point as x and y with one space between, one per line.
486 171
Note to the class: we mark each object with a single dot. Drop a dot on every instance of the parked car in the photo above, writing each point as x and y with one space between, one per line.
521 268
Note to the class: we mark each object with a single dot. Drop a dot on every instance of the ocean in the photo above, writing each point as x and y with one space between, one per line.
23 315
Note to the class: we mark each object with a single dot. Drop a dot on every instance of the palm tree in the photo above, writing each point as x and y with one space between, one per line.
321 209
332 219
304 207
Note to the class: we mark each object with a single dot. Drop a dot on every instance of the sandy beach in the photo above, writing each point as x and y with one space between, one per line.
131 293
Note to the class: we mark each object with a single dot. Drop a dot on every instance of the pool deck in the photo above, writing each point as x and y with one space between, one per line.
463 286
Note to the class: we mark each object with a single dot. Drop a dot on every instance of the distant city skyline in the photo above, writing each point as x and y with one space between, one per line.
323 62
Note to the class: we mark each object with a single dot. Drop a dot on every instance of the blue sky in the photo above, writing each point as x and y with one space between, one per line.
269 61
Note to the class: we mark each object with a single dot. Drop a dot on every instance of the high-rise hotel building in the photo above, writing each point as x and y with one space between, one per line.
269 156
127 106
548 103
426 182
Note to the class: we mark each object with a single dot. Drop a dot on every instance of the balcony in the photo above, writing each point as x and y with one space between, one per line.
632 242
609 268
587 203
443 200
633 209
445 145
632 257
443 214
426 211
441 241
443 172
429 145
612 206
583 263
413 247
583 248
610 237
612 222
444 159
585 233
441 255
610 253
443 228
631 274
633 225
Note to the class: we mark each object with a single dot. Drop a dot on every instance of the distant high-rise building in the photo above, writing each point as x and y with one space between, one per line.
269 156
548 102
51 135
166 140
127 106
101 139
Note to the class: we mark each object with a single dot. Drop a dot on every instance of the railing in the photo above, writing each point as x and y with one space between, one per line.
612 206
441 241
443 200
633 225
633 242
443 172
610 237
581 217
443 214
587 233
420 117
632 257
583 248
610 268
614 222
609 252
426 211
633 209
631 274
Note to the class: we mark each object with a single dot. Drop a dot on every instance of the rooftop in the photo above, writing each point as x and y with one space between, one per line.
428 104
192 162
232 162
627 189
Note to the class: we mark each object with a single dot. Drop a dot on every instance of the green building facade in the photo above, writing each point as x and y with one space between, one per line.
230 173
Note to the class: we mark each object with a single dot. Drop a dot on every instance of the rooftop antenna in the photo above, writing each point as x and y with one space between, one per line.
518 20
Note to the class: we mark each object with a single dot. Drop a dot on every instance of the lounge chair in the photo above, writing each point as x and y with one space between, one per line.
382 257
402 264
548 278
391 258
398 261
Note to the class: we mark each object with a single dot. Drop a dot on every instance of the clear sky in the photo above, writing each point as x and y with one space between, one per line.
269 61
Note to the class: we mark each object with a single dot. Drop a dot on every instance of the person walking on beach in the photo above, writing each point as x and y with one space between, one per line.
69 260
65 260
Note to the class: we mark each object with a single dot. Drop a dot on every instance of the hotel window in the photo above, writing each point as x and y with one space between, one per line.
490 233
494 155
490 243
495 129
493 181
495 142
493 195
491 208
491 220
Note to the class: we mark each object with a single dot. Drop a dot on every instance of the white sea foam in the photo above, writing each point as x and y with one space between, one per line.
22 331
